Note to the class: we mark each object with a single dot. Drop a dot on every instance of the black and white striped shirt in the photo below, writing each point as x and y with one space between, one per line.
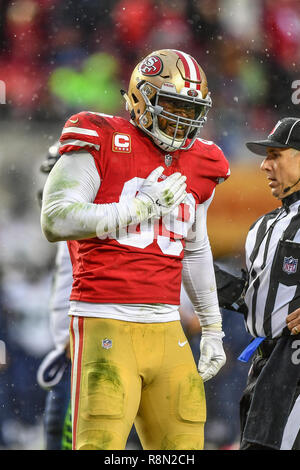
273 263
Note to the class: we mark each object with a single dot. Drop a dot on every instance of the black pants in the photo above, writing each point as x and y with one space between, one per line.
258 363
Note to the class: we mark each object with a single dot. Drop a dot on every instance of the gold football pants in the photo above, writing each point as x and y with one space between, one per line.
141 373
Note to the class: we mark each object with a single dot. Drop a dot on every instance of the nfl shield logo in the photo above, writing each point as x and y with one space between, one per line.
290 265
106 343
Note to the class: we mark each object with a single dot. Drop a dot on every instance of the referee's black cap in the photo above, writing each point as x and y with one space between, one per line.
286 134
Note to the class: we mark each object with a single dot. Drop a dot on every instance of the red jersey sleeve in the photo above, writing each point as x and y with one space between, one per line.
221 165
209 169
80 133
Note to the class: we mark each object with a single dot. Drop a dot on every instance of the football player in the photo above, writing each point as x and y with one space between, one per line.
131 198
54 373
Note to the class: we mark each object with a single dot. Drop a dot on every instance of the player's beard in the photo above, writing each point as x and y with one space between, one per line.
169 129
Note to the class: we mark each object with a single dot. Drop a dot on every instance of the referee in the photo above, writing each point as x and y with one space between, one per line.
270 405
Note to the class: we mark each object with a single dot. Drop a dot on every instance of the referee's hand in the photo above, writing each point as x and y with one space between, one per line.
293 322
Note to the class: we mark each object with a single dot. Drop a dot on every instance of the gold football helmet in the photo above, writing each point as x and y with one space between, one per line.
168 75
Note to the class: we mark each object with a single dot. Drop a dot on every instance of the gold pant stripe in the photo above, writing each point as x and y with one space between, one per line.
76 329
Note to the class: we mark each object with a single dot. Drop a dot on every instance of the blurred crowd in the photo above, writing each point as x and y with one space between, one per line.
59 57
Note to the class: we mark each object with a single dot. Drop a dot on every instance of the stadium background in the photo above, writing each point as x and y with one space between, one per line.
60 57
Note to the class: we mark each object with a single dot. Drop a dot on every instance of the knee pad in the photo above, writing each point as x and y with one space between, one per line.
193 441
191 405
103 392
190 410
93 439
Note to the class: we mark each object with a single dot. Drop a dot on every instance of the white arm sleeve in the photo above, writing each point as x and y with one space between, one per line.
68 211
198 274
59 301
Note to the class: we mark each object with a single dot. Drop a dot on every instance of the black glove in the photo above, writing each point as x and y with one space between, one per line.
229 289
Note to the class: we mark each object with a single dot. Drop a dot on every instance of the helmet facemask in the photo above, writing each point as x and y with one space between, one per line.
151 95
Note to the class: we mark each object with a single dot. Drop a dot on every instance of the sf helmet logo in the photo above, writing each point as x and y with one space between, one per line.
151 66
192 92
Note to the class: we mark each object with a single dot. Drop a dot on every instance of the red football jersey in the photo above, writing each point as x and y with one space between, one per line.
141 264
